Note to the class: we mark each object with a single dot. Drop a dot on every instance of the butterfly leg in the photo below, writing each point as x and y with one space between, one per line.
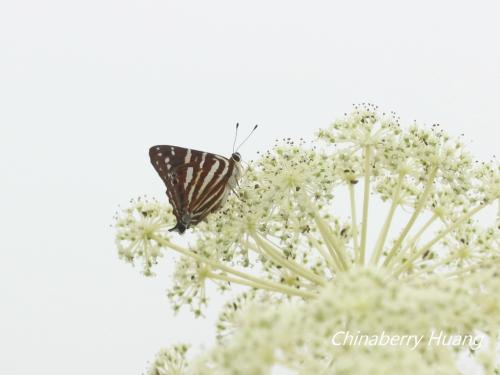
235 193
180 227
182 224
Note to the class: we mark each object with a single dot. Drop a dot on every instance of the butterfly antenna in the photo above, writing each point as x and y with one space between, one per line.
235 135
248 136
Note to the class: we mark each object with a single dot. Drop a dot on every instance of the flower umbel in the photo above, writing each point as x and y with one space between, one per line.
375 227
170 361
137 227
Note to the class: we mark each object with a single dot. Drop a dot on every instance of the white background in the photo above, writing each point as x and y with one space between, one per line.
87 86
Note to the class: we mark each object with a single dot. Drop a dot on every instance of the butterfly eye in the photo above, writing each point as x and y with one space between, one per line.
236 156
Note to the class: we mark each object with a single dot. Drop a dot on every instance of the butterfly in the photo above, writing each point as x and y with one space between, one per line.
198 183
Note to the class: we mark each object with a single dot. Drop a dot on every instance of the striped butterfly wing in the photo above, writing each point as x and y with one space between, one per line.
197 182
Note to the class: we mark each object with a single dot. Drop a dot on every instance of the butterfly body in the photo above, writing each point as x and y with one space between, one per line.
198 183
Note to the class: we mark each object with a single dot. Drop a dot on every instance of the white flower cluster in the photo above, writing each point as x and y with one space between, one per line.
170 361
137 227
298 336
311 270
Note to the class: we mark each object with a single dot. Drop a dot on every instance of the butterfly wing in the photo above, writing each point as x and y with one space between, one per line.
211 187
166 160
196 181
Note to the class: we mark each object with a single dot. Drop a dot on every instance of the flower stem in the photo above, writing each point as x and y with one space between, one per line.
413 240
269 249
278 288
223 267
493 350
448 275
436 239
427 224
354 220
331 261
336 251
366 199
388 221
335 248
432 267
418 208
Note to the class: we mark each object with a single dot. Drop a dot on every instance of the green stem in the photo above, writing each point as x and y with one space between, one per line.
336 251
493 350
427 224
418 208
431 268
413 240
334 246
366 199
332 262
222 267
281 288
388 221
269 249
354 219
432 242
457 272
